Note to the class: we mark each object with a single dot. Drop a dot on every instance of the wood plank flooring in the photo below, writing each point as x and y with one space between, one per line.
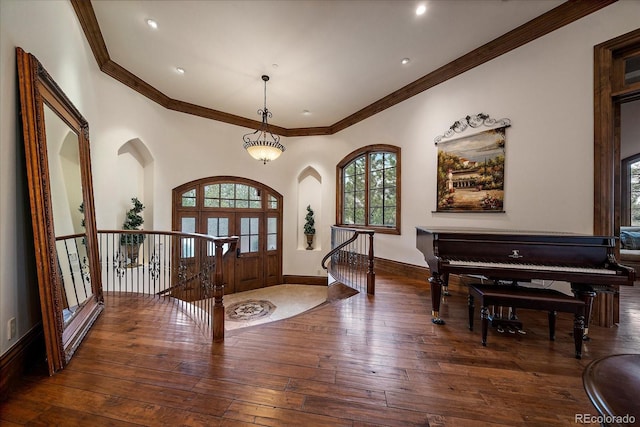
363 361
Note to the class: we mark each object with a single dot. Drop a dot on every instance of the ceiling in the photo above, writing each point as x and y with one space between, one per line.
326 59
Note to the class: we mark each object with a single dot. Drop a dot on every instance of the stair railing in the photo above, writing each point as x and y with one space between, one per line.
187 268
351 258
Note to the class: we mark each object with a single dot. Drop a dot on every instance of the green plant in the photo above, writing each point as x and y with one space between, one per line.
309 222
132 221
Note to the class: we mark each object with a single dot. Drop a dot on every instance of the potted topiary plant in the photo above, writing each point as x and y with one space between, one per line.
132 221
309 229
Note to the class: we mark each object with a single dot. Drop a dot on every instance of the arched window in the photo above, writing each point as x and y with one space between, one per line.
368 193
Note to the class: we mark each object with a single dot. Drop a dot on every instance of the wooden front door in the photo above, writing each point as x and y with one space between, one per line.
250 272
230 206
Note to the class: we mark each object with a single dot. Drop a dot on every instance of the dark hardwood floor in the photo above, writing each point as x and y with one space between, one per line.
353 362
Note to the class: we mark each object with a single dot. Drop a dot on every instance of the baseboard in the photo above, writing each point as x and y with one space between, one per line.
401 269
305 280
28 351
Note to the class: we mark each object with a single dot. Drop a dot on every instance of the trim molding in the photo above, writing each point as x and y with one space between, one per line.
401 269
558 17
306 280
23 355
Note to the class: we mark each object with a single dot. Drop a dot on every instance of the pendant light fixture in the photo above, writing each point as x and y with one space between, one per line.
262 144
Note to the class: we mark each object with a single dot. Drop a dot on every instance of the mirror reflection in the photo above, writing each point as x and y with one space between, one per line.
67 206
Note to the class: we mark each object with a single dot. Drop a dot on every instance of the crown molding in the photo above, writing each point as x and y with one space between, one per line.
552 20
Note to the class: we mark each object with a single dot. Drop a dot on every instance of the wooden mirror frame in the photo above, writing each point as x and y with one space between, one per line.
37 88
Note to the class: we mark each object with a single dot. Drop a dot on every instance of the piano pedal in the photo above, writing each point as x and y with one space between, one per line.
511 330
500 329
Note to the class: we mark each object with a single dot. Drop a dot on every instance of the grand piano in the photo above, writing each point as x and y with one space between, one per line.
587 262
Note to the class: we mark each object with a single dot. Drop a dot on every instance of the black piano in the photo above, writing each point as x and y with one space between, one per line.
587 262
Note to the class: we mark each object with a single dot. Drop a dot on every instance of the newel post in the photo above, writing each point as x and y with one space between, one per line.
218 293
371 275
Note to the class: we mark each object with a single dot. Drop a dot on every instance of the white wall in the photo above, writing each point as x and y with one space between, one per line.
545 88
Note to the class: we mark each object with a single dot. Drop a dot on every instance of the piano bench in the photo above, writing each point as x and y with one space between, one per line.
531 298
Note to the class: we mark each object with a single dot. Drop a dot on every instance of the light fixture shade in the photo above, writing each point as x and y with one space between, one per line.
263 150
262 144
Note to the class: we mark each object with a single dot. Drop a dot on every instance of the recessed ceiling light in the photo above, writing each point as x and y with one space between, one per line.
405 61
153 24
180 70
420 10
306 112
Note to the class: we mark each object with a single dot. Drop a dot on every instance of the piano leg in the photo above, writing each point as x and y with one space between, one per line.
586 294
445 284
578 333
471 311
436 284
552 324
484 316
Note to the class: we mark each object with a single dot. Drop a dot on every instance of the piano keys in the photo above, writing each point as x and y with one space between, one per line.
587 262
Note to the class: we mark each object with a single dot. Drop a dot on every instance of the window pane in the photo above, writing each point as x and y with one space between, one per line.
272 242
254 243
376 179
390 216
255 204
242 192
189 198
272 234
390 197
212 226
188 225
389 160
227 191
359 216
244 244
244 226
377 161
375 218
360 164
273 202
272 225
254 225
242 203
375 198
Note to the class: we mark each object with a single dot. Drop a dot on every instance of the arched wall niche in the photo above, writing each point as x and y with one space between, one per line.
309 194
135 179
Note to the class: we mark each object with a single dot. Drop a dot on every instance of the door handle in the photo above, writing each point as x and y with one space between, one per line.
237 252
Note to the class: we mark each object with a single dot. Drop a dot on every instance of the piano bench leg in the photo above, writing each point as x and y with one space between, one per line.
484 316
578 333
471 310
552 325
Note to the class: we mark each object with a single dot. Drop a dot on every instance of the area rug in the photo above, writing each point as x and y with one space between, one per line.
272 303
249 310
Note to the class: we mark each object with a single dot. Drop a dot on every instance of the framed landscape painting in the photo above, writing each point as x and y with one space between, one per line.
471 173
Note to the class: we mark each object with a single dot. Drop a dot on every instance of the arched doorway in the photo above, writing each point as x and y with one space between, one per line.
232 206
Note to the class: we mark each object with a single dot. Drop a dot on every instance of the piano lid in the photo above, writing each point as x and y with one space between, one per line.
470 233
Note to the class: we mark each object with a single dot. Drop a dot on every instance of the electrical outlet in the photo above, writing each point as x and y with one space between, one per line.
11 328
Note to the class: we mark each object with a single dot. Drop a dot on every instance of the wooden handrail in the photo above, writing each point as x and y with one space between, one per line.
370 257
195 276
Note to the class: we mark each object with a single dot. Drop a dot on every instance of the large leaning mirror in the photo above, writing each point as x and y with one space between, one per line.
56 138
